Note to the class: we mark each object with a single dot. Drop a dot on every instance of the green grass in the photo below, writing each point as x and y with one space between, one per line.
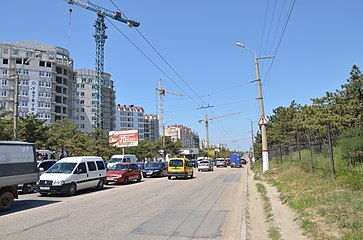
273 231
328 209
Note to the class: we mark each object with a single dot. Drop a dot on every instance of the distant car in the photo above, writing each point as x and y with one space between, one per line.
179 167
221 162
123 173
243 160
193 163
205 165
155 169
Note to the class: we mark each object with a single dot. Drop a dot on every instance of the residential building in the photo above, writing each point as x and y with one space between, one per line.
130 117
84 101
151 127
185 135
45 76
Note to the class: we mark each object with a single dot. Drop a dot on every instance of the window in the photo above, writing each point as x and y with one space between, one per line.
24 93
25 72
6 50
47 94
18 61
3 93
4 82
3 104
41 84
41 63
82 118
15 52
91 166
47 105
81 168
41 104
5 61
81 126
49 64
82 94
48 84
100 165
41 94
25 82
81 102
48 74
41 74
5 72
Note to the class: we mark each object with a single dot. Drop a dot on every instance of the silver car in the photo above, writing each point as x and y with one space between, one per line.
205 165
221 163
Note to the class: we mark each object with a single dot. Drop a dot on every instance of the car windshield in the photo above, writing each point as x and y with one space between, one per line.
119 167
63 167
204 161
176 163
153 165
115 160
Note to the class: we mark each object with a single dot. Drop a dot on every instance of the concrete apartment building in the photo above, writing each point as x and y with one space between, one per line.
84 101
129 118
151 127
185 135
49 87
45 80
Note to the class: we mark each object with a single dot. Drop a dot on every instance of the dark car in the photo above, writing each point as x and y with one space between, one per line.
193 163
155 169
243 160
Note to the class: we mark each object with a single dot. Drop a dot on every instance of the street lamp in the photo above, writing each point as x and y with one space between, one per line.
252 142
265 162
16 99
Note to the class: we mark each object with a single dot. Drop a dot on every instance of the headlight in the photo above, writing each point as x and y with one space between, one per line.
119 176
58 182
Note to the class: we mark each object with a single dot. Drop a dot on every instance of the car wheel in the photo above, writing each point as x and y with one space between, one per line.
169 177
126 181
71 189
43 194
100 184
139 178
26 189
6 200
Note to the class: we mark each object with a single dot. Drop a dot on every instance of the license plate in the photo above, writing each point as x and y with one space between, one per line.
44 188
149 173
110 179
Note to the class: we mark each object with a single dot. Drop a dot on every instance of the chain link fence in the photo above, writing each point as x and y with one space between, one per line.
331 154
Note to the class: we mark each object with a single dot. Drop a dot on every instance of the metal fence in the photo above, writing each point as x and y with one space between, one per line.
331 154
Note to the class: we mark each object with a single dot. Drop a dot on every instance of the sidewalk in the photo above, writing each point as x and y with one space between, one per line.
258 226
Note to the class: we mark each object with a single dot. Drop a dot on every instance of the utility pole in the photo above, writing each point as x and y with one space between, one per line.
16 99
252 141
265 161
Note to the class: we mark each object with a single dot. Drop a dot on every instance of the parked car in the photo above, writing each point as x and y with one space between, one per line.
127 158
155 169
193 163
205 165
221 162
71 174
179 167
123 173
214 162
243 160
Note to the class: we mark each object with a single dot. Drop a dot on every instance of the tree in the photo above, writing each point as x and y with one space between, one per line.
6 126
32 129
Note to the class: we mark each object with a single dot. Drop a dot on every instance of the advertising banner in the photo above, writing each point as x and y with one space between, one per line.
124 138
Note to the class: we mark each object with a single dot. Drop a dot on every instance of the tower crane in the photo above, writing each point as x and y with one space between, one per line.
207 119
161 92
100 37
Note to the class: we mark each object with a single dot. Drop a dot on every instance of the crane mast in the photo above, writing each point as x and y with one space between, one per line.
100 38
206 121
161 92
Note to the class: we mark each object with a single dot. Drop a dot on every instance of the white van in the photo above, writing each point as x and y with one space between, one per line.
71 174
127 158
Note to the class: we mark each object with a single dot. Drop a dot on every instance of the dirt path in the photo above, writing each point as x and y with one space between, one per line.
284 217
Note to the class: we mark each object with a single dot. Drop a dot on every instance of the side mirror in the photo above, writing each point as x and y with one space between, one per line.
130 169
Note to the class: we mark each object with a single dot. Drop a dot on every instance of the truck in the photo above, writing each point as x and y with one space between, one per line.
18 166
235 160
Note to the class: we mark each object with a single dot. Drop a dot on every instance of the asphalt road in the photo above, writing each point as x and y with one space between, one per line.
209 206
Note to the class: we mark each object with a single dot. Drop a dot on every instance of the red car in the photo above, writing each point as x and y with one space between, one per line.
123 173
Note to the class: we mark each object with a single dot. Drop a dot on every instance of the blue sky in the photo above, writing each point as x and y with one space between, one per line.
197 38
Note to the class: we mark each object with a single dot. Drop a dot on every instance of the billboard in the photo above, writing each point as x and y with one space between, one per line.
123 138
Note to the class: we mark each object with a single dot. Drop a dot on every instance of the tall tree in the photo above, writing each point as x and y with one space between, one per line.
32 129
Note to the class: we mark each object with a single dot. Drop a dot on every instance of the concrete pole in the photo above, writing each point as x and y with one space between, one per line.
265 162
253 148
16 107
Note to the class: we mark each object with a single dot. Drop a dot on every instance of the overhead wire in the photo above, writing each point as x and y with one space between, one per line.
190 88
